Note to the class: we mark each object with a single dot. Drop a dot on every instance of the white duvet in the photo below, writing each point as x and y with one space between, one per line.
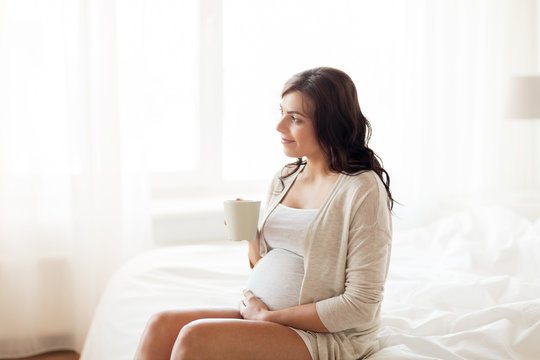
465 287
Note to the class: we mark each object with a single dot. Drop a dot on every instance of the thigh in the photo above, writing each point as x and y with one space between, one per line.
170 322
181 317
237 339
163 328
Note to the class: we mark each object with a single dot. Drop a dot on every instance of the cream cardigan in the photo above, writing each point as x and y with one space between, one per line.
347 251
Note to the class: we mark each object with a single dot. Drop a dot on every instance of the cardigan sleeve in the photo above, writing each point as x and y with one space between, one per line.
368 257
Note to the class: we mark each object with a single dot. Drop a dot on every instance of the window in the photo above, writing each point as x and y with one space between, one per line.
158 63
236 141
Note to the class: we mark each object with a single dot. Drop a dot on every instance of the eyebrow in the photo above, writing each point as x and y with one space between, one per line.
293 112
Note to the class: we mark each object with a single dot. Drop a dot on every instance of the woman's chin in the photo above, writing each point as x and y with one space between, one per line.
292 155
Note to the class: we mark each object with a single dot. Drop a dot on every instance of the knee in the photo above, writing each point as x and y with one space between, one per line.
190 341
156 320
152 336
157 324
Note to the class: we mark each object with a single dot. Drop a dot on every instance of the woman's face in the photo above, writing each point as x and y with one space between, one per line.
296 128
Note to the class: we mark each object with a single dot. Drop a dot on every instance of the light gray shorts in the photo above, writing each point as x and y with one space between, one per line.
343 345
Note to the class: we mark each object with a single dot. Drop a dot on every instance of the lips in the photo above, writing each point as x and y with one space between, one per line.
286 141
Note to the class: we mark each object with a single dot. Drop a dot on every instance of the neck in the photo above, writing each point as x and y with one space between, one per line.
316 170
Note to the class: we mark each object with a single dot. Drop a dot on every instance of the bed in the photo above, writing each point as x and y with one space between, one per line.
465 286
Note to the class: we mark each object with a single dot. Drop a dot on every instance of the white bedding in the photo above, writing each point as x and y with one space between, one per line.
463 287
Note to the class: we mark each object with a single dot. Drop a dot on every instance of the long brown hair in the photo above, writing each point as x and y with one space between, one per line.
342 130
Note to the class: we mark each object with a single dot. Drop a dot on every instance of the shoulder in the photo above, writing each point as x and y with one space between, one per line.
363 182
366 177
364 190
285 175
367 200
279 183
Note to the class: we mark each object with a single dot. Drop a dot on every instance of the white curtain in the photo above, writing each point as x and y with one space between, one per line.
74 200
431 77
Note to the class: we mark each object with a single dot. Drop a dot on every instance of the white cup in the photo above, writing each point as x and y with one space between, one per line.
242 217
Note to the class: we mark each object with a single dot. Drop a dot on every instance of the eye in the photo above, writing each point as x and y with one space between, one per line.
295 119
280 111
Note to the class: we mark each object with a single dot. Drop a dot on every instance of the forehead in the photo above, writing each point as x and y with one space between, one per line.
295 101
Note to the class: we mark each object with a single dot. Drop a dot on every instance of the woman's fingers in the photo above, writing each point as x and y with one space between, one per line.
252 308
248 294
241 308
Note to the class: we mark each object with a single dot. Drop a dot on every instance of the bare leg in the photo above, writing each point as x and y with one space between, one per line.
163 328
234 339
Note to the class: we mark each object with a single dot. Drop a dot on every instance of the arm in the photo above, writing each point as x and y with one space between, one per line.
367 261
367 265
301 317
254 254
254 250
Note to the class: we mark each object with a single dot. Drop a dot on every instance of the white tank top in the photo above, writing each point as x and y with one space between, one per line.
286 228
277 278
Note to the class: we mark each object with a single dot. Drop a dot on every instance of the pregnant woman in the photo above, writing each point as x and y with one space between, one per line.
322 253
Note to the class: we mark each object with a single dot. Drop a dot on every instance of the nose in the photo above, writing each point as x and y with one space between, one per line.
281 125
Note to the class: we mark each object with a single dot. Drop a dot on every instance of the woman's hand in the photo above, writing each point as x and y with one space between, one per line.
252 308
301 317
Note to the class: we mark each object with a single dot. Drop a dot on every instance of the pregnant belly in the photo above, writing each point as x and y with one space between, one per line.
277 278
